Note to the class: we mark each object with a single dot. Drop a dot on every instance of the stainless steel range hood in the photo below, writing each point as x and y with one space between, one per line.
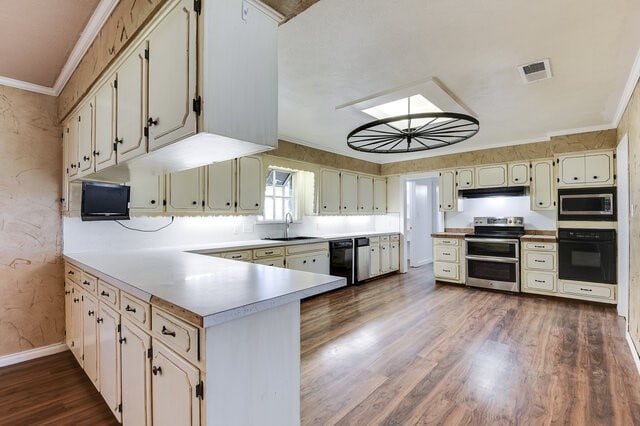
506 191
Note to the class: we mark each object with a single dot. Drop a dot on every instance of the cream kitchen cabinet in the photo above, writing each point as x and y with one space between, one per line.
394 252
221 187
136 374
109 358
71 322
317 262
147 194
449 260
394 194
447 191
77 318
172 76
365 195
131 105
539 267
348 193
90 337
270 256
379 196
105 125
519 173
185 191
591 168
329 200
490 176
385 257
85 138
465 178
70 136
374 259
175 400
251 185
542 188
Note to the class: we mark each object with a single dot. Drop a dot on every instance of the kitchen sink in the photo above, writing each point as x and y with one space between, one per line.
290 238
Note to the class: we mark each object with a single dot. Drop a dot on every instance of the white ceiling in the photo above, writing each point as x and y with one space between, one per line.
338 52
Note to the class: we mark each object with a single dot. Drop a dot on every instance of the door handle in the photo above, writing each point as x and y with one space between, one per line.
167 332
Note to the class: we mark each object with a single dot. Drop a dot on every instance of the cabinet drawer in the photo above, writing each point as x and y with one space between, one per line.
395 237
73 273
384 239
278 262
588 290
447 254
540 246
446 241
446 270
545 261
177 334
244 255
108 294
544 281
268 252
306 248
88 282
136 310
374 240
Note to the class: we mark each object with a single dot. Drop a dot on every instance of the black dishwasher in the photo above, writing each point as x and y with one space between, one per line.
341 254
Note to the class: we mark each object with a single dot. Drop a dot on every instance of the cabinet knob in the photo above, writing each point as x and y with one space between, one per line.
99 320
152 122
85 282
516 179
314 261
448 205
91 313
122 340
575 178
324 207
156 370
71 273
257 204
540 203
153 201
228 204
76 300
304 261
85 158
345 207
96 152
67 292
468 183
194 202
595 177
119 140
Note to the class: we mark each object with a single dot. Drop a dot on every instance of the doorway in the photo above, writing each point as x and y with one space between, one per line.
421 219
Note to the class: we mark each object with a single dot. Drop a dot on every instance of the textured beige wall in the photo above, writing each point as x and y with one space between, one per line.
630 124
577 142
127 18
31 269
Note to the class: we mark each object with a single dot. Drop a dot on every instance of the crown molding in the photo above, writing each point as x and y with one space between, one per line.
19 84
634 75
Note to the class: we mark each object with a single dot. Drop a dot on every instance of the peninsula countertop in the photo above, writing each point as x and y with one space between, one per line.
216 290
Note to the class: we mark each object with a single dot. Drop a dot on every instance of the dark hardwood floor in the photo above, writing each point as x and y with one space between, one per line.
402 350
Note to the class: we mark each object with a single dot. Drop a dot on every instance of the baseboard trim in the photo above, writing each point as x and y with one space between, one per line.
32 354
634 354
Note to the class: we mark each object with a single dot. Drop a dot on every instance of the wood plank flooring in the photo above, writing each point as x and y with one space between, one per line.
402 350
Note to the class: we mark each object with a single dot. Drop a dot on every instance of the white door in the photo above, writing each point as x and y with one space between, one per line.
147 193
109 356
448 194
599 169
173 389
519 174
365 195
374 265
379 196
491 176
131 108
251 185
465 178
348 193
172 76
422 226
542 195
329 192
90 338
385 259
571 170
184 190
136 375
76 329
105 125
221 187
85 138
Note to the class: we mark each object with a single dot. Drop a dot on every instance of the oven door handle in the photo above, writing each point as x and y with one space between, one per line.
491 240
492 259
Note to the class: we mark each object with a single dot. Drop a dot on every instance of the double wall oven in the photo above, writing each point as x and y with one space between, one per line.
493 253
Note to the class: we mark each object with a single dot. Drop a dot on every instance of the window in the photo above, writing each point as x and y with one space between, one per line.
279 194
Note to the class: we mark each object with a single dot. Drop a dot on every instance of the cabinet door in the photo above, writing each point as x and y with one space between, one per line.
599 169
109 356
90 338
519 174
131 107
447 193
172 76
251 185
85 138
72 152
374 265
385 257
542 193
77 318
68 314
379 196
491 176
136 375
299 262
329 192
221 187
465 178
394 256
173 389
365 195
105 125
319 263
571 170
184 190
147 193
348 193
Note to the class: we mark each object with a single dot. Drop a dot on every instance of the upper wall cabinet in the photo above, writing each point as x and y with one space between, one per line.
542 192
491 176
251 185
172 76
365 195
85 138
465 178
185 191
329 200
447 192
147 194
221 187
379 196
70 140
348 193
519 173
105 125
591 169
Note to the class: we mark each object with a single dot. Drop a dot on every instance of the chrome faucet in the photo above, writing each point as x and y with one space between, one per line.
288 220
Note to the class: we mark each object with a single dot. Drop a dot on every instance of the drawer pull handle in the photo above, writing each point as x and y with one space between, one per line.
156 370
166 332
122 340
268 252
71 273
447 270
99 320
76 300
539 246
586 289
538 261
130 309
540 281
85 282
236 257
67 292
104 293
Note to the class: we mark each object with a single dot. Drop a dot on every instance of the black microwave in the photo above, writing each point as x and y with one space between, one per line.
597 203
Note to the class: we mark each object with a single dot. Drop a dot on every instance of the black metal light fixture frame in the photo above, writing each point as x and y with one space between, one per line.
444 129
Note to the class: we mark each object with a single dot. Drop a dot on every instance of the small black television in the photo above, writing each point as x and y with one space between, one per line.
104 201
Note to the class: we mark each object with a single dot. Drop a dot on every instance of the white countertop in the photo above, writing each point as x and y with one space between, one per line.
216 289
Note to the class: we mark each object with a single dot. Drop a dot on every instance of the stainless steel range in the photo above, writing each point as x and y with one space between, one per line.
493 253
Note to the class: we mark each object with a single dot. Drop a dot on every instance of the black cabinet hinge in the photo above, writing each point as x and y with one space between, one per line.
554 203
115 147
615 177
200 390
146 54
82 357
146 132
119 328
197 105
614 155
202 203
120 408
150 353
557 179
115 84
197 6
79 118
164 202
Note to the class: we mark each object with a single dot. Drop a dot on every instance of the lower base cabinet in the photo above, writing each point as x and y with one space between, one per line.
136 374
449 260
90 338
109 356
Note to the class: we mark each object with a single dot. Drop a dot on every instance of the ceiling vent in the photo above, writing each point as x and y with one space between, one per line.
535 71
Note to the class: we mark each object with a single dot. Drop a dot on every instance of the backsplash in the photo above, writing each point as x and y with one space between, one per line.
500 206
186 231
